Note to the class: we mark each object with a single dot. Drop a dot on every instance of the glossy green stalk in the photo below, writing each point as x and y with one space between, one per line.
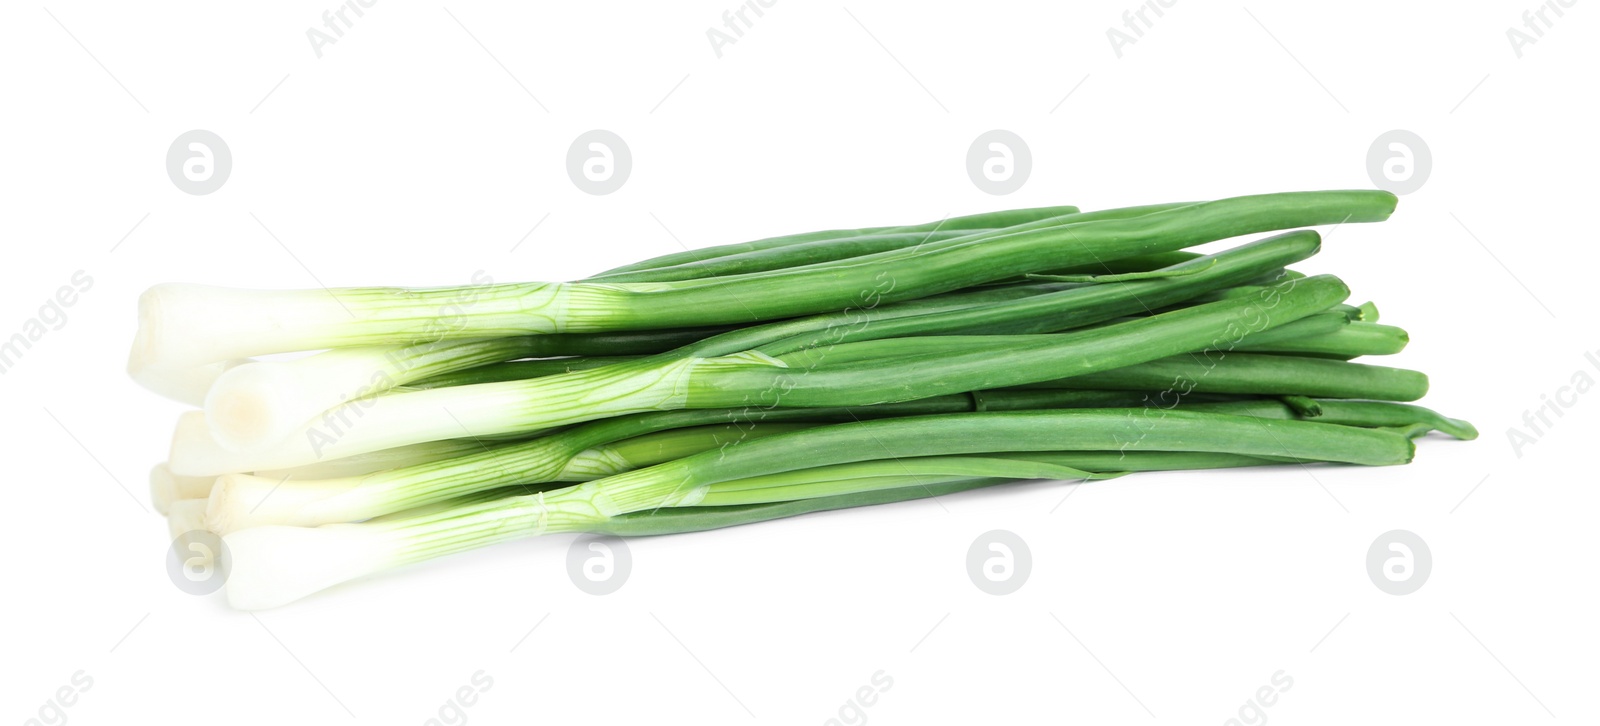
819 252
793 255
1350 341
963 225
1367 414
1254 374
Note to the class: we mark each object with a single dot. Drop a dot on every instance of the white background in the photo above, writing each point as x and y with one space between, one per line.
418 149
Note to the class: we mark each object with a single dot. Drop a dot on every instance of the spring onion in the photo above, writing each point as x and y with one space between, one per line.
747 382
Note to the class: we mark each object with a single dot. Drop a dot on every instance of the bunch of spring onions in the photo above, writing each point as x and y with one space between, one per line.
753 381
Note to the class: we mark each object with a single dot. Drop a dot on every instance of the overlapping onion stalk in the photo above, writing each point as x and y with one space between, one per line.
767 379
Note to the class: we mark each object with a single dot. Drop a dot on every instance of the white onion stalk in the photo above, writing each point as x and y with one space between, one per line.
241 501
275 565
199 455
182 325
184 385
167 487
480 410
262 403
